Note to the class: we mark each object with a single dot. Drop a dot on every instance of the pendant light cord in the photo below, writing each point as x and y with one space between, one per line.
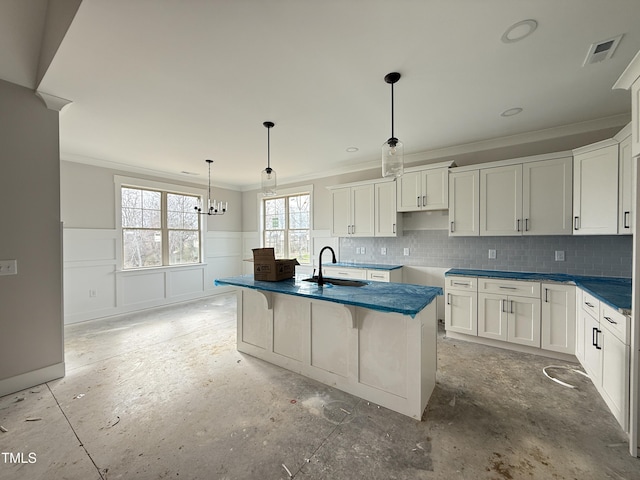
268 149
392 135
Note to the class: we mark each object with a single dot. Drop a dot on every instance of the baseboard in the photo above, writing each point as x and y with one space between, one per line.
31 379
513 347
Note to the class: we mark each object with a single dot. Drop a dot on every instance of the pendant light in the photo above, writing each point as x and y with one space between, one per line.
392 149
213 206
268 174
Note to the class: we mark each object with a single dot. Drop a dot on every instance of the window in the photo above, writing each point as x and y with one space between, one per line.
159 228
287 226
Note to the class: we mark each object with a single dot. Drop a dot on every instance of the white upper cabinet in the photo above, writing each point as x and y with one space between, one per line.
424 188
626 183
595 189
630 80
385 211
365 209
547 197
501 200
464 203
529 198
352 209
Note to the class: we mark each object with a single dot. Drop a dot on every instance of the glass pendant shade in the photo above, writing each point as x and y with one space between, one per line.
269 182
392 158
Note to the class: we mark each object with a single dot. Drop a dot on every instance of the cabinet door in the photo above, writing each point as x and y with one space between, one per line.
558 318
461 312
464 208
595 192
635 118
523 321
547 197
435 189
385 211
409 193
493 316
341 212
501 201
592 349
626 186
362 206
580 328
615 377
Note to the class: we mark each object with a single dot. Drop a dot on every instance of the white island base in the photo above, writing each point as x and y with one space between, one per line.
386 358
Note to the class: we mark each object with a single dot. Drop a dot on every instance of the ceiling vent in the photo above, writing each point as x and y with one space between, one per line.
601 51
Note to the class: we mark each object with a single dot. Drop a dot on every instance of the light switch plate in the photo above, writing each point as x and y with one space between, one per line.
383 250
8 267
559 255
406 252
492 253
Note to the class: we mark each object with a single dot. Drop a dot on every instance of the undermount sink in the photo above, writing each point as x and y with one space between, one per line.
338 281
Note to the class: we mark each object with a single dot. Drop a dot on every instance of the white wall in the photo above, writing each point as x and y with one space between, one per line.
95 286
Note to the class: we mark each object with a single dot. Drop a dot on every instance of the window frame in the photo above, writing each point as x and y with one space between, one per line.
164 189
286 193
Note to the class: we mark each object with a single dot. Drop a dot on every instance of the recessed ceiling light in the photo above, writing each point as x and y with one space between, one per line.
352 149
511 112
519 30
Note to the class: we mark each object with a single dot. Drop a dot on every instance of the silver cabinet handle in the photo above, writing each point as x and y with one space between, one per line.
507 288
448 299
424 200
588 304
626 219
461 283
610 320
526 224
452 230
546 295
418 202
502 305
512 307
576 220
394 228
518 225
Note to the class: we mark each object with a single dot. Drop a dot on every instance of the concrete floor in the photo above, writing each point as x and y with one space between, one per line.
164 394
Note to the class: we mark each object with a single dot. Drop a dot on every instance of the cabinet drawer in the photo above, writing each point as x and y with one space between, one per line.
341 272
618 324
461 283
509 287
591 304
378 275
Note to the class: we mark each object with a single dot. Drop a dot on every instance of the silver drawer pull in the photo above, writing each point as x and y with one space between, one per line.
377 276
508 288
610 320
589 305
461 283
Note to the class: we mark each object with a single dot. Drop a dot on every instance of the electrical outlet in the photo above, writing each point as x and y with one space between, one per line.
363 250
559 255
383 250
492 253
406 252
8 267
357 250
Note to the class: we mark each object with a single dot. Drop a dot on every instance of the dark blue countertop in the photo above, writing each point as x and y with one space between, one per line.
403 298
369 266
614 291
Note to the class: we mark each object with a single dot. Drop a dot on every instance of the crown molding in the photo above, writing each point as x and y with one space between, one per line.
52 102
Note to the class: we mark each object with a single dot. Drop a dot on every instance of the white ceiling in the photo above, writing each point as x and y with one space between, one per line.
162 85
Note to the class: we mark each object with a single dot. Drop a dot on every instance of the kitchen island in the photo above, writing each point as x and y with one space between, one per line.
377 341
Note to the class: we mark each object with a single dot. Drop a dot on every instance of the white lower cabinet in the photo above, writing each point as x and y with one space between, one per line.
356 273
605 354
461 309
509 318
558 318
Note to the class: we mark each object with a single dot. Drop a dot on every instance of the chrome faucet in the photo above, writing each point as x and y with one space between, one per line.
333 260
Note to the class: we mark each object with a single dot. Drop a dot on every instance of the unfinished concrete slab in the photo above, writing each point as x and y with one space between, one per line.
165 394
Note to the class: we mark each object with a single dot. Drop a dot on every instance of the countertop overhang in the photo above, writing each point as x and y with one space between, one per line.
614 291
403 298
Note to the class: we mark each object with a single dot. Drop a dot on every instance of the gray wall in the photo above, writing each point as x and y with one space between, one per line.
31 315
88 198
608 256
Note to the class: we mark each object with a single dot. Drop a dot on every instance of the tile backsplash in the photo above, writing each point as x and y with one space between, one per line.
609 255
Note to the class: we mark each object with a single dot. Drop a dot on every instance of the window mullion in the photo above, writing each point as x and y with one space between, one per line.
164 222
